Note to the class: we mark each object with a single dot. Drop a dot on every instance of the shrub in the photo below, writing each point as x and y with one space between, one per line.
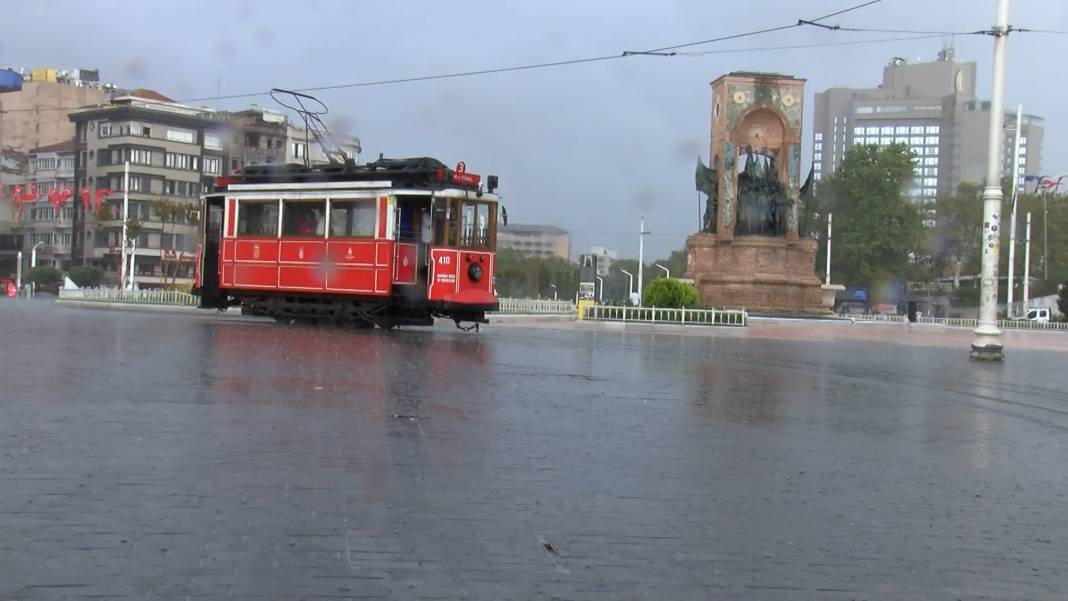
1062 299
46 277
86 276
670 293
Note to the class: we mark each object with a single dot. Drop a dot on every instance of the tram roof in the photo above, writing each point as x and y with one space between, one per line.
418 172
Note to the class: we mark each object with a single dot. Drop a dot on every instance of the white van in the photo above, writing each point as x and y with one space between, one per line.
1041 315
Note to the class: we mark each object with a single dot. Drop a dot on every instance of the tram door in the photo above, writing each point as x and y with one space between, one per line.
210 243
412 248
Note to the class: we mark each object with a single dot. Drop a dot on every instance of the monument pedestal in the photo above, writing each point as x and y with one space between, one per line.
758 273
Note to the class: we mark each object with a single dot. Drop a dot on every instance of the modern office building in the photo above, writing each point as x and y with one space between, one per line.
931 107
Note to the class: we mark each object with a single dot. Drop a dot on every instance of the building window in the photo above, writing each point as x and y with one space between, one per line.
932 140
212 141
916 129
105 128
300 150
901 129
212 166
140 157
886 131
180 135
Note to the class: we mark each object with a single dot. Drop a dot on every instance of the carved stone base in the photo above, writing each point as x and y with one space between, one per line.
758 273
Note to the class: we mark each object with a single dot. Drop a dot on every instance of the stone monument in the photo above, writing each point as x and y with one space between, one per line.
748 253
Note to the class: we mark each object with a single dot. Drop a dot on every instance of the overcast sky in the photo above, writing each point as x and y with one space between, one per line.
588 147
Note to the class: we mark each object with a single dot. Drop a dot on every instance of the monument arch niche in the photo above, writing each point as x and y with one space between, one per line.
751 255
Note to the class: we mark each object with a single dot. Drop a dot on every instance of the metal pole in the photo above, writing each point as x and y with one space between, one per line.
125 209
987 344
828 271
1045 238
1012 219
133 261
667 272
33 263
641 257
18 272
1027 264
630 282
600 295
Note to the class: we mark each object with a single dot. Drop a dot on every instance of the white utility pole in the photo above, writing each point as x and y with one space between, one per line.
987 344
600 295
1012 219
667 272
125 208
18 273
1027 264
33 263
133 261
641 256
828 272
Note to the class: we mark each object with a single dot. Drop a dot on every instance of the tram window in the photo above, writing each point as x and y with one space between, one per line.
443 223
257 218
304 218
352 218
475 224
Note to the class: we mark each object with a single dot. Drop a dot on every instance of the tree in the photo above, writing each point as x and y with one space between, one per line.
1062 299
46 278
86 276
170 212
671 293
878 231
676 263
959 224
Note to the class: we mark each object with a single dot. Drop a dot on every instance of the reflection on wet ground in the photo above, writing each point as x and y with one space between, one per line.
183 456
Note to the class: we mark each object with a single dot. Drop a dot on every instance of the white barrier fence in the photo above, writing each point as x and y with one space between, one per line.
656 315
147 297
1004 324
529 306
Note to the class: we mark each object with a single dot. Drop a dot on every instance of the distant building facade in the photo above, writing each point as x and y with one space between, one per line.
603 258
535 240
35 116
174 151
932 108
50 167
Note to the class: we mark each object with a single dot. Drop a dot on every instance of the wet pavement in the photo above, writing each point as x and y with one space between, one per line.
177 456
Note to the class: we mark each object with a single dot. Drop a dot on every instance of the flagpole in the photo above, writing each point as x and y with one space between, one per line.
1012 220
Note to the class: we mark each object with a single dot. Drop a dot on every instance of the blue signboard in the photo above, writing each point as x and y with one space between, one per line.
860 295
10 81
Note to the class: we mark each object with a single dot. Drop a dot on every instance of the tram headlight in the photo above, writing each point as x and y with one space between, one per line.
474 272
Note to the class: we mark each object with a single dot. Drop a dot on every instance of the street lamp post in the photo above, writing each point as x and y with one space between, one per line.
33 263
630 283
553 286
1027 264
1012 215
667 272
987 344
125 209
600 294
18 273
641 254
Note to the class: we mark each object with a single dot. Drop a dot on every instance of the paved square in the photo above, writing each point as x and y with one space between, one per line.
169 456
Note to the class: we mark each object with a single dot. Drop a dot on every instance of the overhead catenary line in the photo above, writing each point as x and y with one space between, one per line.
805 46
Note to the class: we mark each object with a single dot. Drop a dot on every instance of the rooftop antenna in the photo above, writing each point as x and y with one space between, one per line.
311 110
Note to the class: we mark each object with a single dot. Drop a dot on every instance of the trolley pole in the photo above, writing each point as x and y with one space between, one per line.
987 344
1012 220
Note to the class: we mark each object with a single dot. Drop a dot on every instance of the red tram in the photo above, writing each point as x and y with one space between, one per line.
393 242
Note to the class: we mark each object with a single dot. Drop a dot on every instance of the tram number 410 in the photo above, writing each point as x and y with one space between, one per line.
445 260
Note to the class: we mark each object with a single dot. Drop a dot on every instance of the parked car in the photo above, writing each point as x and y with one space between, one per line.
1040 315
